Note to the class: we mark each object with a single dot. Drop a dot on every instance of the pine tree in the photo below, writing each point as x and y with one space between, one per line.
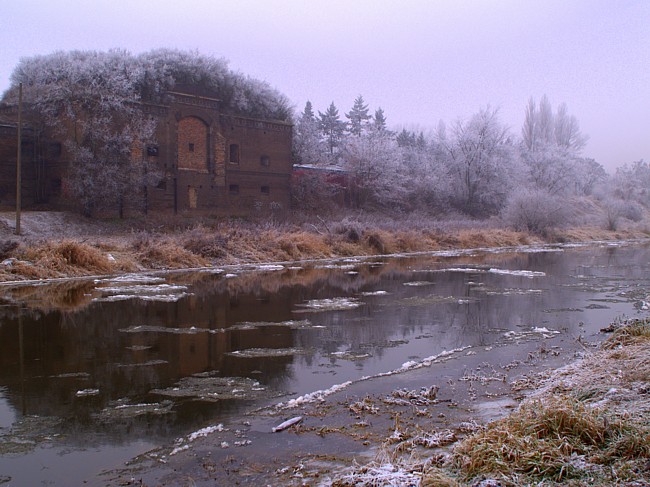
358 117
332 127
308 148
379 120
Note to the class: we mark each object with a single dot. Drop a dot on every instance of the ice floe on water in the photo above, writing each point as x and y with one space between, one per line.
494 270
122 409
87 392
268 352
161 329
350 355
150 363
269 267
519 273
209 388
145 292
183 443
320 395
331 304
253 325
533 332
374 293
131 278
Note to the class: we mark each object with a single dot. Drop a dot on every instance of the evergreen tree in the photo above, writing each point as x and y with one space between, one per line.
379 120
332 127
308 148
358 117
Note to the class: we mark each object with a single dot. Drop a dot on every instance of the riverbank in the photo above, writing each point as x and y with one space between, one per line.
57 245
533 421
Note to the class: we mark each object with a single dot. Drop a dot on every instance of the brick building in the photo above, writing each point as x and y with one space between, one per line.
209 161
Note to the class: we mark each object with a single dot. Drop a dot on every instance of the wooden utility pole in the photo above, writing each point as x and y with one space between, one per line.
18 157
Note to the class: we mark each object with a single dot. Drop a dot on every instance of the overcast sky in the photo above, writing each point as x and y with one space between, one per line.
421 61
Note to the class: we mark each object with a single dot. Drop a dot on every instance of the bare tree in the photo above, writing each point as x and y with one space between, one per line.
479 157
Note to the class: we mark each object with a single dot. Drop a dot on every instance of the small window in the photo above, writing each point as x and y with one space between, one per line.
152 150
233 189
162 184
265 161
265 190
191 147
234 153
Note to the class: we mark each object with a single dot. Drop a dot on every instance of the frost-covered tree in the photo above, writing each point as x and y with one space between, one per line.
479 160
332 128
551 145
632 182
373 164
358 117
308 147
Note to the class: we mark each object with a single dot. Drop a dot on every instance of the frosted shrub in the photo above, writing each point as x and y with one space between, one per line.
536 211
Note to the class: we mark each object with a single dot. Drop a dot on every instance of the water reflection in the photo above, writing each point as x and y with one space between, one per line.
177 351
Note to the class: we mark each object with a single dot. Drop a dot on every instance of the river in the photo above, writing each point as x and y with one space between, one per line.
94 372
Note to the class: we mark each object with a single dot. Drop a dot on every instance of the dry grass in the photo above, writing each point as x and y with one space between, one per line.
544 439
182 242
587 422
60 259
162 253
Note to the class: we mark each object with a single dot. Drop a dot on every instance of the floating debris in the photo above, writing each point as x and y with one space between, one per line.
287 424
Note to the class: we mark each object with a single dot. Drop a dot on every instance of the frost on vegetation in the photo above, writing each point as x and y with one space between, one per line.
206 388
423 397
268 352
333 304
379 475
